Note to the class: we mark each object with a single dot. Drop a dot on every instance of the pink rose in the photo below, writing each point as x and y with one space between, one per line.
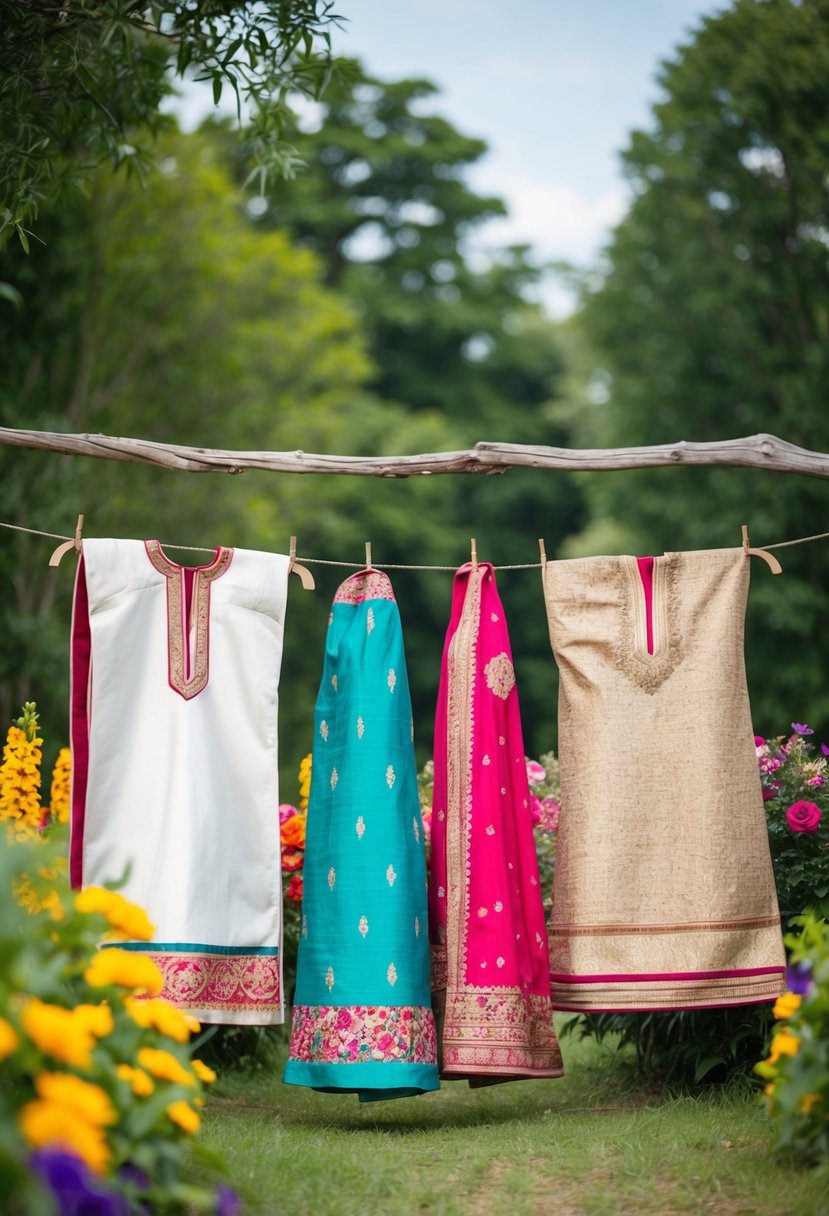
551 812
286 811
535 808
803 816
759 741
769 764
815 781
535 772
343 1019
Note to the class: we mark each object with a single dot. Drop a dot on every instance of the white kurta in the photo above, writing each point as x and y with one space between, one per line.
174 736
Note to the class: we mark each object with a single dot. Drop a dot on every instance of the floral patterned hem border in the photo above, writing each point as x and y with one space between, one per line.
500 1031
221 982
358 1034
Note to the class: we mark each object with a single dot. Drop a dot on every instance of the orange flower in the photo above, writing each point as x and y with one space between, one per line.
292 832
291 862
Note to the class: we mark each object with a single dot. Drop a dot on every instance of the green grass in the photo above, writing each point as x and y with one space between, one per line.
595 1143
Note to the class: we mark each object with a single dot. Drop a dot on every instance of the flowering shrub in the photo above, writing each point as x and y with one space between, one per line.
797 1068
795 782
99 1095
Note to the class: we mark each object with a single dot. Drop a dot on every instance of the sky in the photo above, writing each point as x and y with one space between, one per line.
554 89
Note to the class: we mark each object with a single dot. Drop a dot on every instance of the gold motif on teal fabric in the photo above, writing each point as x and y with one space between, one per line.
329 978
324 731
416 831
390 876
335 776
304 925
500 675
361 727
391 974
360 827
417 926
332 878
363 925
391 680
390 776
369 620
334 682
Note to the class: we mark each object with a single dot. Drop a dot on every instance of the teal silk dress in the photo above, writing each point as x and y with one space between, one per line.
362 1018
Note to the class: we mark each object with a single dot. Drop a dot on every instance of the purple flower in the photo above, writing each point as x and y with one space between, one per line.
824 749
815 781
802 729
799 978
227 1202
73 1186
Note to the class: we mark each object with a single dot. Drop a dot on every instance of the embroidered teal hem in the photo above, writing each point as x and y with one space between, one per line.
191 948
373 1081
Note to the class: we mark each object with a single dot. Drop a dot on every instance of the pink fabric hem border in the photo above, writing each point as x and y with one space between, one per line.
650 977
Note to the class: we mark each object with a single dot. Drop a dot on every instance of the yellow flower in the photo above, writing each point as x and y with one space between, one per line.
786 1005
165 1066
95 1018
87 1100
125 969
20 782
46 1123
203 1071
9 1039
304 782
784 1043
58 1033
59 794
163 1017
183 1115
809 1101
141 1082
129 921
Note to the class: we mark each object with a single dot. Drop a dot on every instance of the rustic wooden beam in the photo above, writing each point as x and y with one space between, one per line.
752 452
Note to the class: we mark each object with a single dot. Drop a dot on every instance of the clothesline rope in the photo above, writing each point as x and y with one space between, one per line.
323 561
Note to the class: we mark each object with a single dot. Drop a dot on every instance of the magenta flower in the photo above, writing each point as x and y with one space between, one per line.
535 808
815 781
824 749
804 816
770 792
802 729
286 811
535 772
759 741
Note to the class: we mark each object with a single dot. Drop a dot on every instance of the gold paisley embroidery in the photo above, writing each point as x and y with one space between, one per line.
367 585
324 731
332 878
390 776
335 776
334 683
361 727
369 620
417 926
363 925
391 974
391 679
500 675
360 827
416 831
485 761
329 978
390 875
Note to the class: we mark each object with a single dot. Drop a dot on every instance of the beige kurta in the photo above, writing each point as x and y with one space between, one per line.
663 895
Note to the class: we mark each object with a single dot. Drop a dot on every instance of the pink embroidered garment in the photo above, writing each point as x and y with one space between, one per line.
175 674
490 966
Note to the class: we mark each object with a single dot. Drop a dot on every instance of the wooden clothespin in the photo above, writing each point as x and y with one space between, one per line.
67 545
368 556
474 551
769 558
305 575
542 549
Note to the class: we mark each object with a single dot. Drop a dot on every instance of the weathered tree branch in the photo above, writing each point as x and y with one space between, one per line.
752 452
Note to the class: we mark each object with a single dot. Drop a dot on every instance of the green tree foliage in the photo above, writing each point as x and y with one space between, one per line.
710 321
82 83
385 204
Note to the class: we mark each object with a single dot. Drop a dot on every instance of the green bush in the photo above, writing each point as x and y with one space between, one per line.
797 1069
